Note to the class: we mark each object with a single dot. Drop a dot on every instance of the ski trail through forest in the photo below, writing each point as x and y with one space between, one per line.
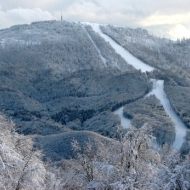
158 89
101 56
180 128
129 58
125 123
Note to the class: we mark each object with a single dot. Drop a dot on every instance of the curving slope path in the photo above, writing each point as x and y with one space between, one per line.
125 123
158 89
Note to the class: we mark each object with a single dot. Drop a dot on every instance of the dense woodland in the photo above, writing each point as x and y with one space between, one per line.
59 85
178 90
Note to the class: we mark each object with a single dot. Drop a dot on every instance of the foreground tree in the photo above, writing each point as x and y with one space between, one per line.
87 157
128 164
137 162
132 164
174 172
20 165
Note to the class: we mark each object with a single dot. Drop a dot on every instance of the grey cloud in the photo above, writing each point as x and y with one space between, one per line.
22 16
169 6
132 13
43 4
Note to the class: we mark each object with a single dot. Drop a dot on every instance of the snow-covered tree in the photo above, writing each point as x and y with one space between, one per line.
137 160
130 165
86 157
20 165
174 172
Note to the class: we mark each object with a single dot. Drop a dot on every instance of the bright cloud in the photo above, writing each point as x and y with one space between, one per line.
161 19
179 31
177 24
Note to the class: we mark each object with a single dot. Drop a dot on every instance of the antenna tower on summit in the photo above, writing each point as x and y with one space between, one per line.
61 16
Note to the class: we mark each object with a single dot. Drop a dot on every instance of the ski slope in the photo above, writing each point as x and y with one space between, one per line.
101 56
129 58
158 91
125 123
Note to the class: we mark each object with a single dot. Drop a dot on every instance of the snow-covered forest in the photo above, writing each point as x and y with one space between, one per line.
160 53
64 89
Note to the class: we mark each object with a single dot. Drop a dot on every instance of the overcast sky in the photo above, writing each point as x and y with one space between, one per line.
166 18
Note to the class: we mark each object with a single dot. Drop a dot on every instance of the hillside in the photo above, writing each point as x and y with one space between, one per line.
62 84
49 45
71 76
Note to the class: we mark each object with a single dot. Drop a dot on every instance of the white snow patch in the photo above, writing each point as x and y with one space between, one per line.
158 91
129 58
125 123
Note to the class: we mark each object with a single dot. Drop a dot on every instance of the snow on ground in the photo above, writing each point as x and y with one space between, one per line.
129 58
125 123
158 91
102 58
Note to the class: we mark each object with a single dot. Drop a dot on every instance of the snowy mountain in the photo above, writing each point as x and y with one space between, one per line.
75 89
53 43
64 64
